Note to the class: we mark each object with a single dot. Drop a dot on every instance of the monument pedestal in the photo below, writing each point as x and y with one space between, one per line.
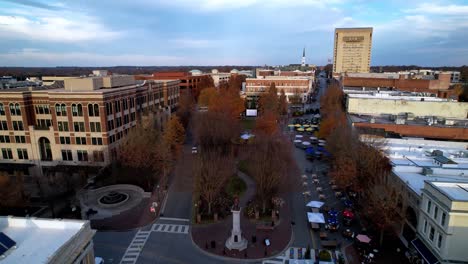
236 241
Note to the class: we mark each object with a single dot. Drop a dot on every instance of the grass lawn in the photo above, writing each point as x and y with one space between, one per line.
236 186
248 124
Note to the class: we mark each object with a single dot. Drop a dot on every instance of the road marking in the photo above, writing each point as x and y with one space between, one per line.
174 219
136 246
170 228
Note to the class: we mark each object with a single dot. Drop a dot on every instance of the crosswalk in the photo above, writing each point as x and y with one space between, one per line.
169 228
135 247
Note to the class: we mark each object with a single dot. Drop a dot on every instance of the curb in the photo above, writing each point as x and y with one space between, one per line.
239 259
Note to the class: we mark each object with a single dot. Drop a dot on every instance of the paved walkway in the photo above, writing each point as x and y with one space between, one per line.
279 237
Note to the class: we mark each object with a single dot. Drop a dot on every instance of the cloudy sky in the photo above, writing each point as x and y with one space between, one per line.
226 32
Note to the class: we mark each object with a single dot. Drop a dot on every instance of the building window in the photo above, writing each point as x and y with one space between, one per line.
79 126
425 227
60 109
3 125
108 108
6 153
80 140
117 106
429 205
93 109
42 109
442 219
65 140
18 125
63 126
23 154
98 156
126 119
132 102
43 123
125 104
77 110
2 110
15 109
431 234
95 126
118 121
20 139
82 155
110 125
4 139
96 141
439 240
67 155
436 212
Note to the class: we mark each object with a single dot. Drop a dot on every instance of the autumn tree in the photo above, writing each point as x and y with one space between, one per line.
12 192
185 108
206 81
215 130
228 102
283 103
235 81
269 167
174 135
267 124
211 170
207 96
269 101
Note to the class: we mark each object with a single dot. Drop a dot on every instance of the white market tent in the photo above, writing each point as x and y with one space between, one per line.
315 204
306 143
297 141
299 136
316 218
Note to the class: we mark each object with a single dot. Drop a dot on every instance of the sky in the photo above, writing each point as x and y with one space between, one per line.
226 32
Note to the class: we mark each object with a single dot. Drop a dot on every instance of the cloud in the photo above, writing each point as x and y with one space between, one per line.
39 58
194 43
430 8
219 5
32 3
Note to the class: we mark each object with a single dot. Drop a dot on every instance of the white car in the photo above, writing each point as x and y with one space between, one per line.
194 150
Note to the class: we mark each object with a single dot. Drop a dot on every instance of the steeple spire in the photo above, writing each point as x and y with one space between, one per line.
303 61
303 53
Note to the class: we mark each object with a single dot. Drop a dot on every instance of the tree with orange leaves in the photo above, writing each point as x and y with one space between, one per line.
267 123
174 135
228 101
207 96
269 101
283 103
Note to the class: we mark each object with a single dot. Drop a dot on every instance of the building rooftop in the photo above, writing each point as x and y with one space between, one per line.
395 96
453 190
432 121
37 240
414 161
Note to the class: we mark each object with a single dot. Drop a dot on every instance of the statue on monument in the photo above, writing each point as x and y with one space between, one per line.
236 241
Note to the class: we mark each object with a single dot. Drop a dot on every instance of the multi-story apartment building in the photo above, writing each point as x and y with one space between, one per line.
45 130
292 86
442 225
188 81
352 51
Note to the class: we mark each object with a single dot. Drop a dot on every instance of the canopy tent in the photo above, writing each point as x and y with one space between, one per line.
321 144
315 204
246 136
316 218
313 125
290 125
309 129
297 141
313 138
299 136
306 143
348 214
297 125
363 238
317 115
310 151
300 129
322 141
306 125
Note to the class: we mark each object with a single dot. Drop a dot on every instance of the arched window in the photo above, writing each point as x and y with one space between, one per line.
2 109
15 109
77 110
96 109
57 110
63 109
18 109
90 110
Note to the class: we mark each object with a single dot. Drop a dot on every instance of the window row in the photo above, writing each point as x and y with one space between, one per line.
77 109
434 212
80 140
82 155
18 139
7 153
431 234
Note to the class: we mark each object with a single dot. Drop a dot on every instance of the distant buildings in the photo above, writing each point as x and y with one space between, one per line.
352 50
293 86
188 81
8 82
49 241
49 133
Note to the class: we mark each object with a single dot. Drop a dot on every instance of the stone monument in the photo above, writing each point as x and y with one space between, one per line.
236 241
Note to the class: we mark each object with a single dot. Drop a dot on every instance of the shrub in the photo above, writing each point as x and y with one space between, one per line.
324 256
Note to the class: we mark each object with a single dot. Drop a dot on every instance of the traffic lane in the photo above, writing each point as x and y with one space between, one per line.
299 220
169 248
111 246
178 205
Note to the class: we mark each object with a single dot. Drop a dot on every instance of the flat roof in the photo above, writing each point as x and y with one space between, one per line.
37 239
389 96
454 190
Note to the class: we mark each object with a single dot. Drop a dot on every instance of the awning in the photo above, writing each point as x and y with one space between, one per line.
314 204
316 218
424 252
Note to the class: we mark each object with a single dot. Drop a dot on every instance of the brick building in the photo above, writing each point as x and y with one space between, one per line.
292 86
45 130
189 81
439 85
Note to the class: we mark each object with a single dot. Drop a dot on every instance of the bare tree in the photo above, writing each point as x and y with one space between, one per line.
212 169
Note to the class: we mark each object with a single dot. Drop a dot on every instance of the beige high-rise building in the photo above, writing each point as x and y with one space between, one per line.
352 50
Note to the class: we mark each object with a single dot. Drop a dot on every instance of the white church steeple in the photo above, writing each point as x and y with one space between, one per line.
303 61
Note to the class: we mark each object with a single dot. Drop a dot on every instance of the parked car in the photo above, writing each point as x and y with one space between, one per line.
194 150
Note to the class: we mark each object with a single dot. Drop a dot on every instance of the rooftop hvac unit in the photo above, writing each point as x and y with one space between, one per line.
427 171
437 153
449 122
409 116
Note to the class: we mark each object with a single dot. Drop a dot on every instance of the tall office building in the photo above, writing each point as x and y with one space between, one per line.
352 50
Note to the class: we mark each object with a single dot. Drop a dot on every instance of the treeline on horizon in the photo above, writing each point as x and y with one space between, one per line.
22 73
